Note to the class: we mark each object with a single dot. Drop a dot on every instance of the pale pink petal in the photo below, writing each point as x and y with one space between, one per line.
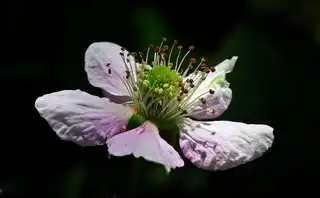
218 101
106 69
216 104
145 142
220 145
82 118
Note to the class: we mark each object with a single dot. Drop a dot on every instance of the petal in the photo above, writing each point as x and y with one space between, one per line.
217 103
220 145
145 142
82 118
106 69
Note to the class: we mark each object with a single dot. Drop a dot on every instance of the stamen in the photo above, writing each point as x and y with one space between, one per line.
203 60
148 51
192 61
190 49
174 43
177 60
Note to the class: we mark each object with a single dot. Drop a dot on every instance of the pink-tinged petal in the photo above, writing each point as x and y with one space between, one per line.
216 104
82 118
106 69
220 145
215 90
145 142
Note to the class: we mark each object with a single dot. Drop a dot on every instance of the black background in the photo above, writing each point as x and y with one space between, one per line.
43 48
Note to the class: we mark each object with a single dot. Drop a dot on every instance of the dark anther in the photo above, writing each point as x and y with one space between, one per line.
191 47
121 54
108 64
212 69
192 60
211 91
188 80
184 112
134 53
179 98
185 91
109 71
127 74
191 81
157 49
213 111
166 47
203 101
207 70
122 49
191 85
128 60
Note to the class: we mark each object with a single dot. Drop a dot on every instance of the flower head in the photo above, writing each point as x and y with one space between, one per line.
145 94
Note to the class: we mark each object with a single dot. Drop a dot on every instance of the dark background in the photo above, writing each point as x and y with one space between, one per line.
277 41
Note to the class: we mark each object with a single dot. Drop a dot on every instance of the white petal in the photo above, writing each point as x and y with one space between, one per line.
145 142
106 69
217 103
82 118
220 145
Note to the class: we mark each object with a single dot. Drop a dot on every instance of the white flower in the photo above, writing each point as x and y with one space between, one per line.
142 98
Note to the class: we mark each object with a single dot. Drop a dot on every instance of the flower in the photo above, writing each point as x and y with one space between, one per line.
142 97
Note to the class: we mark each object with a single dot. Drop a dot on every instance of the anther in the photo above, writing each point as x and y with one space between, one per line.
203 60
109 71
202 100
191 85
121 54
122 49
212 69
191 47
127 74
184 112
128 60
165 48
213 111
203 77
185 91
179 98
134 54
108 64
203 66
192 60
191 81
157 49
180 47
207 70
211 91
164 39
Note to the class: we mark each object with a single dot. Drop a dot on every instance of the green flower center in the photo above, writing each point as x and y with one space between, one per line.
161 81
157 92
